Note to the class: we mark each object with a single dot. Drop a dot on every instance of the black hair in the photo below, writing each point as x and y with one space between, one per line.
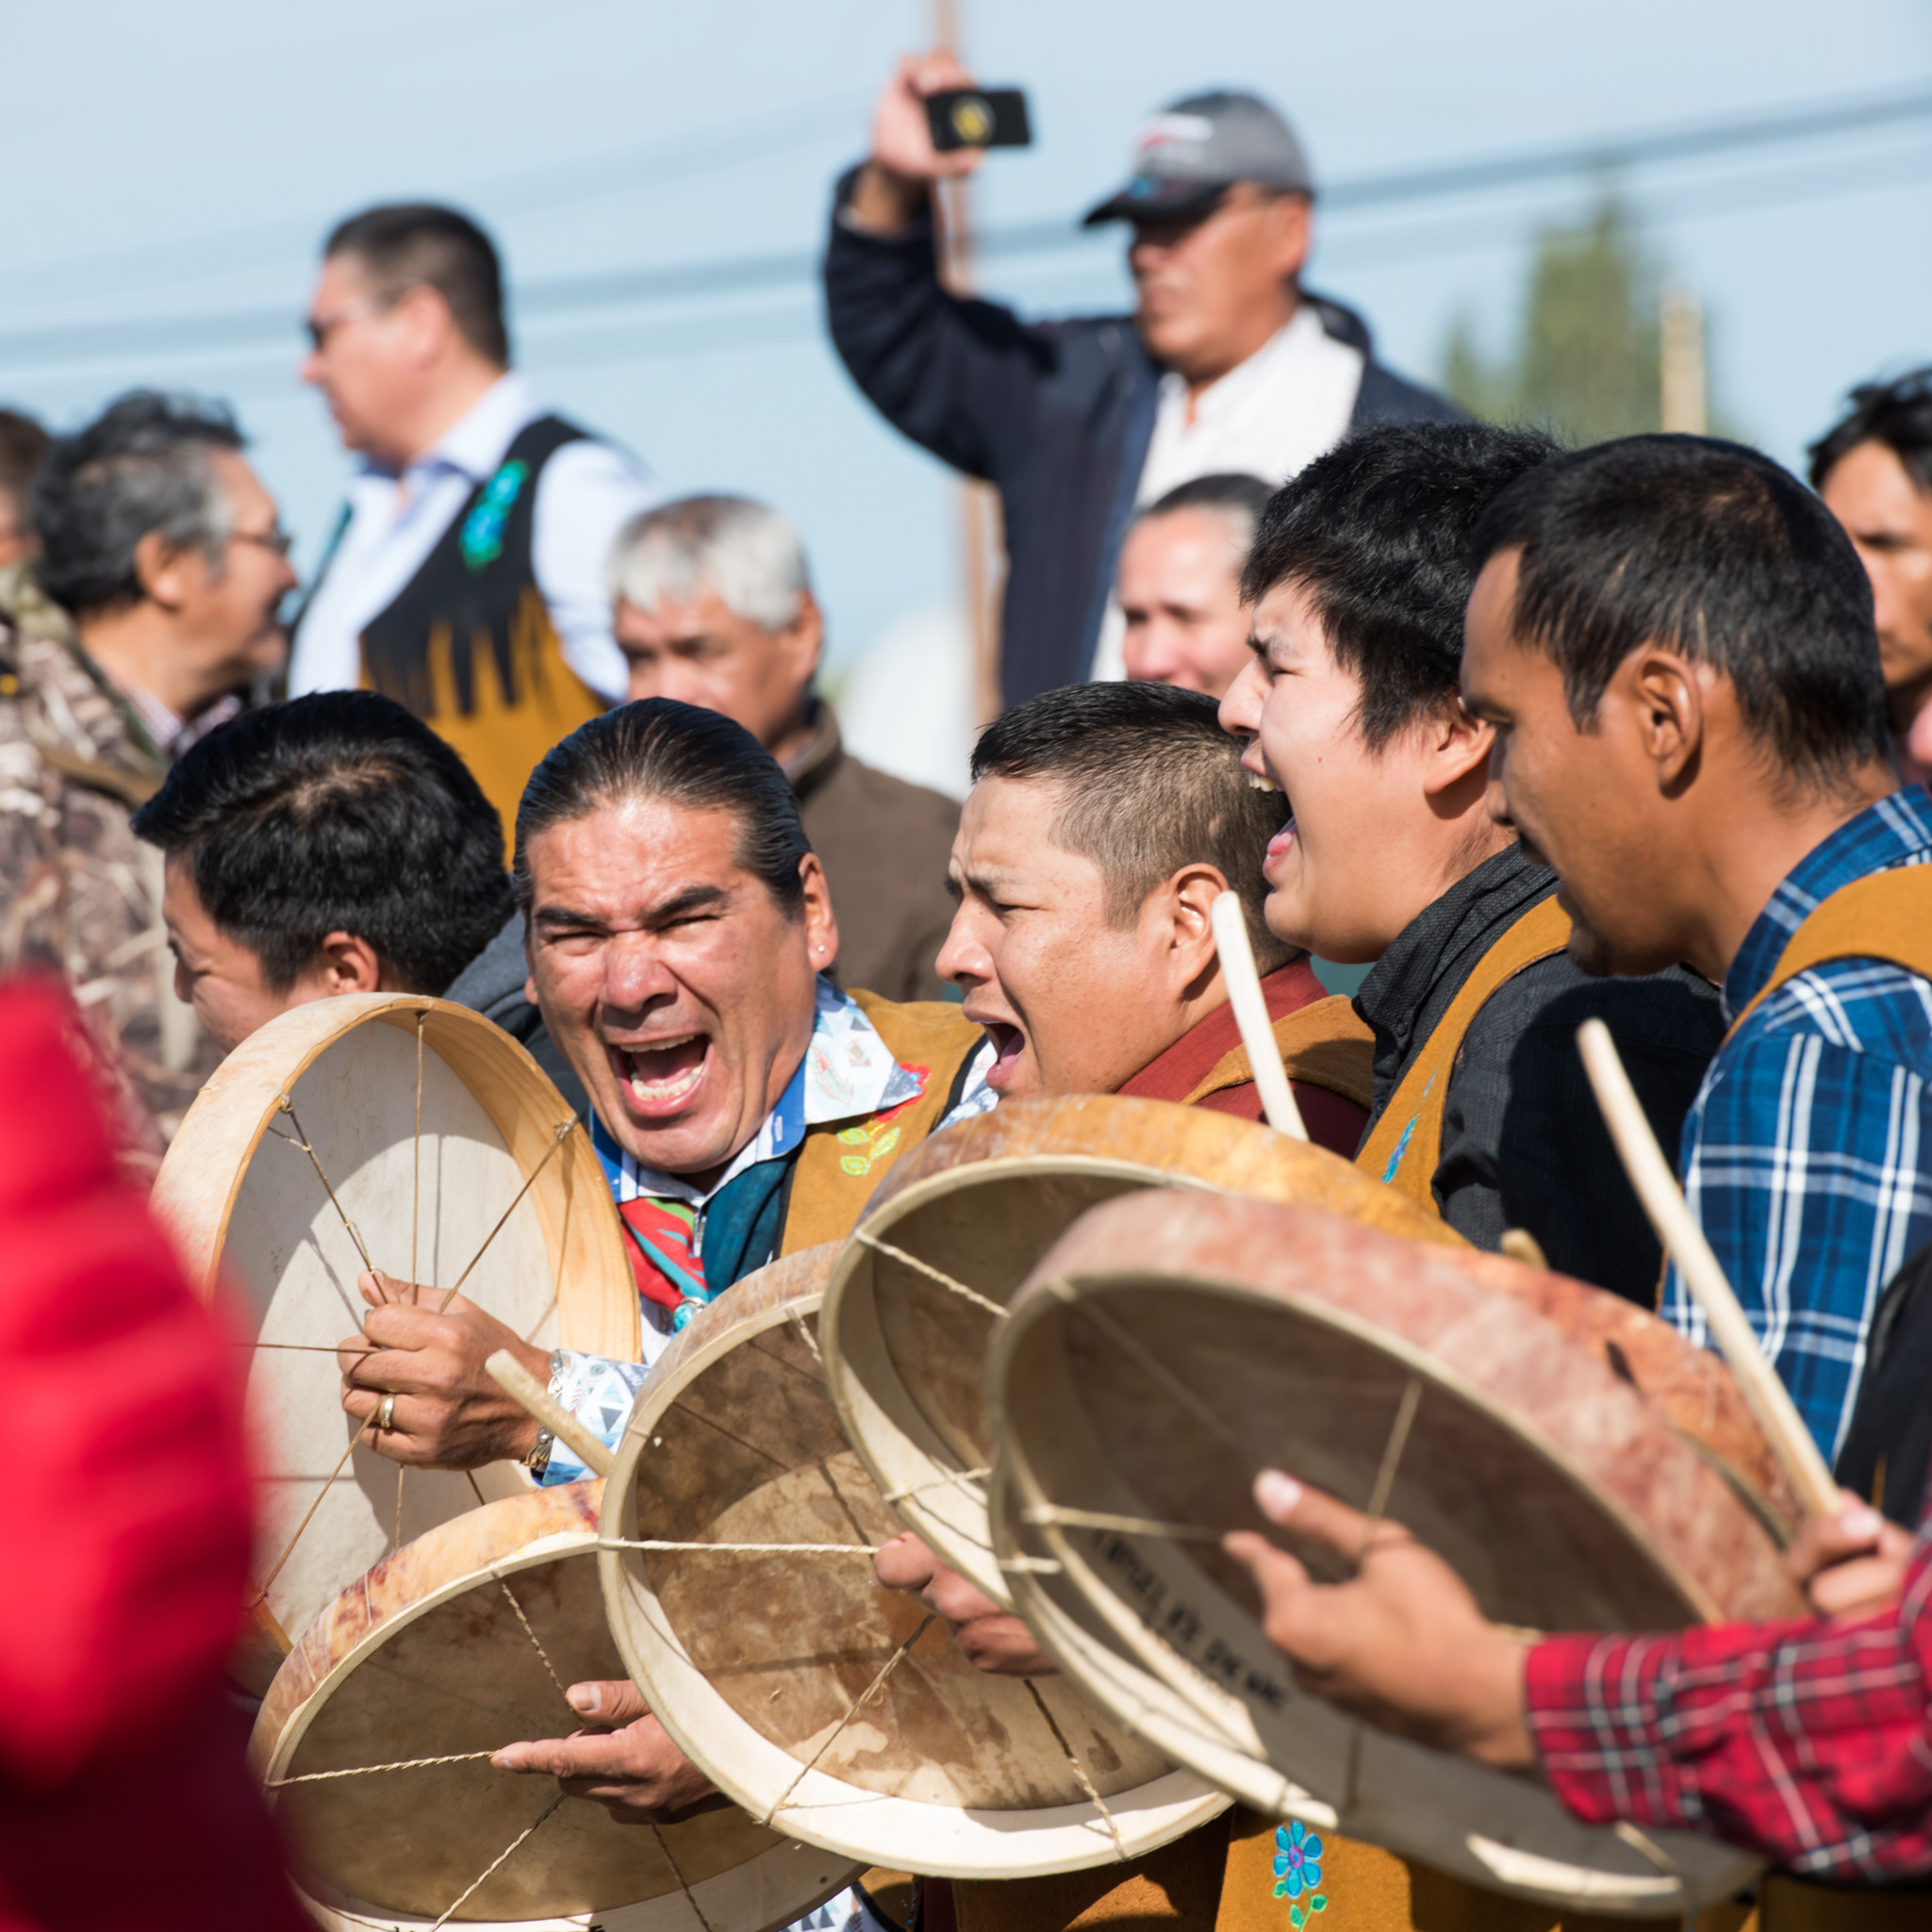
1149 783
140 466
338 812
406 245
1897 414
1377 532
1230 491
658 747
1718 551
23 446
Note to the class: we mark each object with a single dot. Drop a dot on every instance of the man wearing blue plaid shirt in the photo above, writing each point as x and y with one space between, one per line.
1675 642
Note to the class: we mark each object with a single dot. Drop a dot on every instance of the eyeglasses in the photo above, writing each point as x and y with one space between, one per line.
277 541
321 327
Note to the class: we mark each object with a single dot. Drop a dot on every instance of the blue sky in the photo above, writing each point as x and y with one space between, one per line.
184 163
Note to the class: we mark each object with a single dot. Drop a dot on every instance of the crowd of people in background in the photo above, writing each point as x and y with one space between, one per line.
1233 536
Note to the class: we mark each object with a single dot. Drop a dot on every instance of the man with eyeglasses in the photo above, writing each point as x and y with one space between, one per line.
164 548
1227 364
464 578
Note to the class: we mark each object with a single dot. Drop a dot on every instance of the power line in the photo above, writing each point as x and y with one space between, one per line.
243 328
668 158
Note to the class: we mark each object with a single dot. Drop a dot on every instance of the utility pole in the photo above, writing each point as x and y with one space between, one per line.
1680 360
982 561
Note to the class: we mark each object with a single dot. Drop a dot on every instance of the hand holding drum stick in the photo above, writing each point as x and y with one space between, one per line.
1657 1188
1250 1006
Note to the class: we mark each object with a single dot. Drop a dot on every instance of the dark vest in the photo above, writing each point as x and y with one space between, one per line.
469 646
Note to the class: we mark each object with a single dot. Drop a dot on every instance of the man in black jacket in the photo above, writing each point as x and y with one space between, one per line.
1224 365
1358 581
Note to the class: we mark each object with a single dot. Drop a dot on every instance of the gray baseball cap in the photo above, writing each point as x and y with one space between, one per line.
1185 155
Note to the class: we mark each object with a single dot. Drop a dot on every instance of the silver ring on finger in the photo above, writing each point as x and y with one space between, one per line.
386 1413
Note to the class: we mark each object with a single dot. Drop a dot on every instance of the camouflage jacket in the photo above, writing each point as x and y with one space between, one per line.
80 894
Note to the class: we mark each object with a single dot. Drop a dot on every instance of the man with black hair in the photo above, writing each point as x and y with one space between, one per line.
466 575
1358 582
1178 584
679 936
1672 643
1104 821
329 845
166 552
1873 469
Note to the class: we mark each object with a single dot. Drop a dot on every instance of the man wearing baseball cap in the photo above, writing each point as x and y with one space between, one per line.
1226 364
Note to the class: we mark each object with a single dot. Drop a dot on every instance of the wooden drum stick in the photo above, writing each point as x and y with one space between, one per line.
515 1379
1250 1006
1670 1214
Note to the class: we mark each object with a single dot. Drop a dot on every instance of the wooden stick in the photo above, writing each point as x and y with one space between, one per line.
1250 1006
1670 1214
516 1380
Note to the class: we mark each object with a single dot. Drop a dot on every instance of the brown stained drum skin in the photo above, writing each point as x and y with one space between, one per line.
1509 1482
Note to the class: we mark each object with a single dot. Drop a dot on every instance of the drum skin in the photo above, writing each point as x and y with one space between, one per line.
754 1662
1168 1347
983 1201
425 1657
244 1205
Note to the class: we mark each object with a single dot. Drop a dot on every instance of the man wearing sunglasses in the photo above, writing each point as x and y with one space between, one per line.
1227 364
464 578
161 544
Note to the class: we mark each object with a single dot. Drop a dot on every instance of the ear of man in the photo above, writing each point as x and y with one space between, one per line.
1456 745
347 963
1670 698
164 570
1178 911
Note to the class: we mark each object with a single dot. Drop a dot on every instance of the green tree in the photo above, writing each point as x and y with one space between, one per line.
1585 365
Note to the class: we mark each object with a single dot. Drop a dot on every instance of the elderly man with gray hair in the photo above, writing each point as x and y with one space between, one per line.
163 548
713 606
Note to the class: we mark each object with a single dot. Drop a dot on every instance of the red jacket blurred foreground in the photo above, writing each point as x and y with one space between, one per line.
124 1527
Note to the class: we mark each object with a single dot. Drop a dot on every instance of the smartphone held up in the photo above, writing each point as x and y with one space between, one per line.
972 116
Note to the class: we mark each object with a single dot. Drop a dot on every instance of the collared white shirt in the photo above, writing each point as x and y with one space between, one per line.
584 495
1289 403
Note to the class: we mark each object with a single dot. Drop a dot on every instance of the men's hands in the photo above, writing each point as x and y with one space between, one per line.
449 1413
892 185
995 1641
634 1771
1402 1643
1851 1563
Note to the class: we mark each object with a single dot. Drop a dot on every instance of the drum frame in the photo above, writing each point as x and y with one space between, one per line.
1148 1682
302 1693
878 1828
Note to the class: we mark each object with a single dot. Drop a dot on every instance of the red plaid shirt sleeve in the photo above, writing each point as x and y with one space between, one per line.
1808 1741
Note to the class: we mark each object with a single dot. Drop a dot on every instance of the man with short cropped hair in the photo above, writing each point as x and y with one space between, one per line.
1672 643
1358 582
1227 363
329 845
466 576
1178 584
1873 469
1103 823
166 552
713 606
